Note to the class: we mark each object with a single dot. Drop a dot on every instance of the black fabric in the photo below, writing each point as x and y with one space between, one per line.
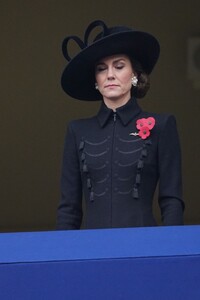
118 172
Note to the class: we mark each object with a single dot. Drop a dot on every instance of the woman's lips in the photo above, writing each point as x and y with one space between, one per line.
111 85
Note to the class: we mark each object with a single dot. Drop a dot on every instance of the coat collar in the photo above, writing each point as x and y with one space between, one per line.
125 113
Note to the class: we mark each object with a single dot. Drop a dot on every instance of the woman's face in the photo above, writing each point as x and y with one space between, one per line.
113 77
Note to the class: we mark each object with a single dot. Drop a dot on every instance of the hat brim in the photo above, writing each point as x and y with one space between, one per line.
78 78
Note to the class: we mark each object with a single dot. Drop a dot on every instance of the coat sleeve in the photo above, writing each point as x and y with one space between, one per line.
69 213
170 183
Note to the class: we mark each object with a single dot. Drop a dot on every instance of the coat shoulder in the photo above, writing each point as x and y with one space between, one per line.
161 119
82 123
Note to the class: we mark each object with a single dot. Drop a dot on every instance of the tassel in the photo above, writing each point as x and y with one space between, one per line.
144 152
135 193
82 156
140 164
91 196
81 145
89 185
137 180
85 168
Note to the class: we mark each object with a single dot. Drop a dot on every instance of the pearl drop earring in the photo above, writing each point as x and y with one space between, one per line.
96 86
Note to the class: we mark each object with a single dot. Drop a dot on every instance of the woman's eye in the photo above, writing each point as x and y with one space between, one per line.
119 67
100 68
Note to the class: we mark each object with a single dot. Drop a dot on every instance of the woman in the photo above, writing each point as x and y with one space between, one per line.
118 156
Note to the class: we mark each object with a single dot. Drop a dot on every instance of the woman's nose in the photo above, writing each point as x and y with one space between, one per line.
110 73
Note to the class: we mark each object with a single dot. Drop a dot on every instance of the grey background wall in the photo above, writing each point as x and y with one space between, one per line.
34 111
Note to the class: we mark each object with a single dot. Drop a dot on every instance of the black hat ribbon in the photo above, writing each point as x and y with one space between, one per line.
80 43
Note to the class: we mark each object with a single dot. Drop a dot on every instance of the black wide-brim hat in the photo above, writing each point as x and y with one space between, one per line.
78 78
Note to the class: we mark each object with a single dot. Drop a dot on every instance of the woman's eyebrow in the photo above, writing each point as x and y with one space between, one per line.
119 59
114 61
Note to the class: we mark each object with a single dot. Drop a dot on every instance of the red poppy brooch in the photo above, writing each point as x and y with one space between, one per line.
144 125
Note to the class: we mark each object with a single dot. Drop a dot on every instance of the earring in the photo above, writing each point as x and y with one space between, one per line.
96 86
134 80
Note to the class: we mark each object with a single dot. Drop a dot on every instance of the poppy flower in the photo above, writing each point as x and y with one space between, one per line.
144 125
150 122
140 123
144 132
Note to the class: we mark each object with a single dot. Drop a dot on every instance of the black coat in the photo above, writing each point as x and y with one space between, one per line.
118 172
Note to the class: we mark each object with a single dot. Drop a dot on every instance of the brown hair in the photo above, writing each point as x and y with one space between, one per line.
143 84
